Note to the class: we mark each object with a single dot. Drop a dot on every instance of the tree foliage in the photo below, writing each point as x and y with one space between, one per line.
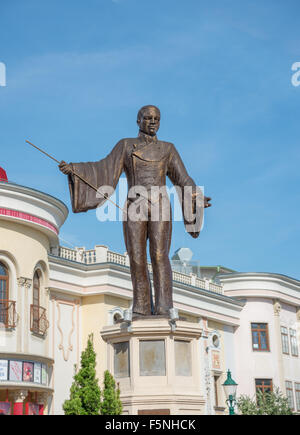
85 393
111 403
274 403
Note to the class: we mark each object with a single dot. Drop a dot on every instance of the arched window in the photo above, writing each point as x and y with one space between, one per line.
36 290
3 282
38 318
35 303
4 293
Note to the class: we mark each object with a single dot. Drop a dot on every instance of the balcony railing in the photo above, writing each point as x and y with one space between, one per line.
38 320
101 254
8 314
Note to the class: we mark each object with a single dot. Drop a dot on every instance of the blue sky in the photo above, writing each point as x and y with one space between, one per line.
77 73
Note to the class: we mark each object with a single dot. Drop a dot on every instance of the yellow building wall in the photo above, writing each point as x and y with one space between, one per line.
26 245
95 315
22 248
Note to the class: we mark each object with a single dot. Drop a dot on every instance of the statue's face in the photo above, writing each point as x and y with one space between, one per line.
150 121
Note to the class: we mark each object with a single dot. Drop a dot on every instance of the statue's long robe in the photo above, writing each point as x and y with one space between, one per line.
105 172
145 164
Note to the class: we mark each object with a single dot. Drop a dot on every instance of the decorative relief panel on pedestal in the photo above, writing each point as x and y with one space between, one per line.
121 360
183 358
152 358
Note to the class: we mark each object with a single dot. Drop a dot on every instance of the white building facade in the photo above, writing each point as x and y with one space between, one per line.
52 298
267 340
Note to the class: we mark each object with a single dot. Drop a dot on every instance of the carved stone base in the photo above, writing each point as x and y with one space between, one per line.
157 366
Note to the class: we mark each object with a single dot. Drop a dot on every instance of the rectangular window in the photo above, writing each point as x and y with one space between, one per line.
297 393
290 394
264 385
285 340
293 340
260 337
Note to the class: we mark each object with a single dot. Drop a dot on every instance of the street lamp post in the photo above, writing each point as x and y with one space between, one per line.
230 387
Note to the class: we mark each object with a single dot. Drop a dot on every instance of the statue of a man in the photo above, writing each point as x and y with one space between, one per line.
146 162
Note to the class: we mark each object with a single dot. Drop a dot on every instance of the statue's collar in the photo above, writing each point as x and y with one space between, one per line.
147 138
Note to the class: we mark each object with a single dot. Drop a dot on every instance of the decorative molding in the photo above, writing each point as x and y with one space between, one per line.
61 347
211 335
18 396
28 284
207 372
207 367
42 398
113 312
21 281
216 360
298 314
24 282
277 307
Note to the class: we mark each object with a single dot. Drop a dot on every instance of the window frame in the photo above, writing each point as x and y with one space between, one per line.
259 330
6 279
263 387
291 389
36 288
3 311
294 342
287 340
35 307
297 395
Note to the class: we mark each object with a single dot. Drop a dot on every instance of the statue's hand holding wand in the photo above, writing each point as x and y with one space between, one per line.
65 168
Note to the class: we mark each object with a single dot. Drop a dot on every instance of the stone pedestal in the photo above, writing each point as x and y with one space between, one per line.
157 366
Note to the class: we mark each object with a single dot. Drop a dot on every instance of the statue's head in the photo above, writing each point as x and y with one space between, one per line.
148 120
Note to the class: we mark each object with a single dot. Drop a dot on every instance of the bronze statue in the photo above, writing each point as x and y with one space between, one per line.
146 161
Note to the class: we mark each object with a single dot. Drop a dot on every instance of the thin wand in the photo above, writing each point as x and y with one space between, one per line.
77 175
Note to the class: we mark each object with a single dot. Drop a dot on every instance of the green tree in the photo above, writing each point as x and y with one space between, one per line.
85 394
111 403
274 403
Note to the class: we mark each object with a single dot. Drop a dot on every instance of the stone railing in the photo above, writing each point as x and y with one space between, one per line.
182 278
68 254
90 256
113 257
101 254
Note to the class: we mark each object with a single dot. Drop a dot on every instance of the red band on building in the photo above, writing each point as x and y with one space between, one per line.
29 218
